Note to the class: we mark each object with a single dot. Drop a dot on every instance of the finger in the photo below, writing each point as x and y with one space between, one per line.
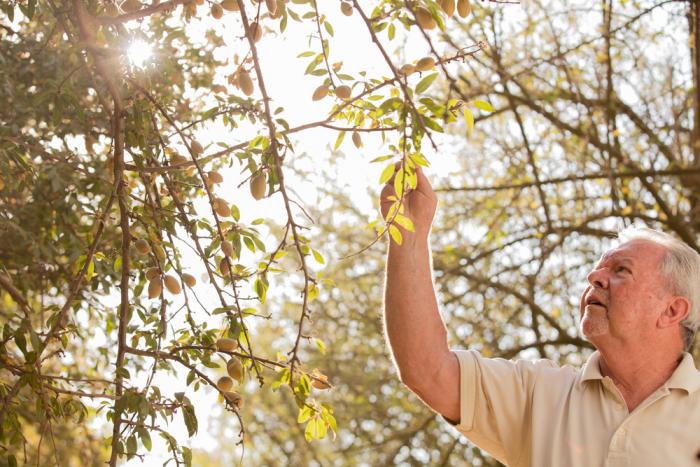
387 191
423 184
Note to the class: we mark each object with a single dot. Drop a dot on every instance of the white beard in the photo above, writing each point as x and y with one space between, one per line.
594 323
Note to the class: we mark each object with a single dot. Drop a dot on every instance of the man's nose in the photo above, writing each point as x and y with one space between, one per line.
598 278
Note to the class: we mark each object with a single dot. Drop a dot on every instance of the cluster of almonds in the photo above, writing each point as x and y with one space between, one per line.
426 21
343 92
155 276
258 182
242 80
178 159
257 185
234 368
424 64
156 281
217 9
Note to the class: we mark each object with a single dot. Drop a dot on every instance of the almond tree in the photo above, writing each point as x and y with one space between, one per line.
111 183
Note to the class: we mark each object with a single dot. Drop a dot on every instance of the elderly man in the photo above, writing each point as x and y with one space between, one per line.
636 401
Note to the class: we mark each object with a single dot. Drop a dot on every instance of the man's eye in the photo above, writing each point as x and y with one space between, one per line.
622 269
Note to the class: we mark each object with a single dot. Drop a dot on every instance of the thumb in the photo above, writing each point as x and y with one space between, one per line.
423 184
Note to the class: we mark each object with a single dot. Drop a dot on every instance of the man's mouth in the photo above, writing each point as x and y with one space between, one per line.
594 302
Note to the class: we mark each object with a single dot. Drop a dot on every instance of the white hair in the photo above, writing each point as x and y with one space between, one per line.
681 269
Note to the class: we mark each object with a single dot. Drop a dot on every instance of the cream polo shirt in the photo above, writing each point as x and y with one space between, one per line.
538 414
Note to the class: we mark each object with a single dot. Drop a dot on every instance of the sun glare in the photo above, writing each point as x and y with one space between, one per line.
139 53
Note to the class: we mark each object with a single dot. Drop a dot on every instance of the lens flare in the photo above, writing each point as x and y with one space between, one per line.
139 53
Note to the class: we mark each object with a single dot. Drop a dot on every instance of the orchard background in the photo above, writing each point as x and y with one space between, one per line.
191 252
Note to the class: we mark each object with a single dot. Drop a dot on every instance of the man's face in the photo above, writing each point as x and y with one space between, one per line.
625 296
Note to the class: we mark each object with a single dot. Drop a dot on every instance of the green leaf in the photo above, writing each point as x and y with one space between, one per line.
144 407
400 182
392 210
310 430
329 28
330 420
131 445
283 378
387 173
90 273
432 124
21 342
257 141
34 339
393 103
425 83
395 234
258 243
145 438
223 309
381 158
249 243
321 346
404 222
321 429
190 419
469 118
313 292
187 456
318 257
305 413
315 429
339 140
260 287
483 105
311 67
304 385
280 254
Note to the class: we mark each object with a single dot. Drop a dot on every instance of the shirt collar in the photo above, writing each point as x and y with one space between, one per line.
591 370
685 376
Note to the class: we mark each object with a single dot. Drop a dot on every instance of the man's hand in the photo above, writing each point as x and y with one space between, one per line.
419 204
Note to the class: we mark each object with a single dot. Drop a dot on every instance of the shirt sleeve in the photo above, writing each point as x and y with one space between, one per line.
496 402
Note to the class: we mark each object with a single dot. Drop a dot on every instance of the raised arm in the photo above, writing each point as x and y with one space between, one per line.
416 332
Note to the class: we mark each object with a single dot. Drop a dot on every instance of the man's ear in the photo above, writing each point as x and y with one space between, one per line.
676 311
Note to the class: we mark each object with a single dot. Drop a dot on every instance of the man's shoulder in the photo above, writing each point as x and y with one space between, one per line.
536 368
